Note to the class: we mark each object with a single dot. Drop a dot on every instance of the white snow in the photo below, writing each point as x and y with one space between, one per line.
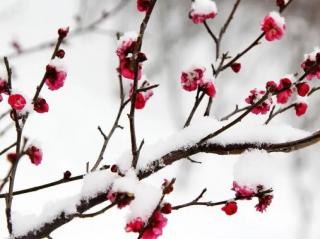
204 7
146 197
312 55
128 36
278 18
93 184
245 132
255 168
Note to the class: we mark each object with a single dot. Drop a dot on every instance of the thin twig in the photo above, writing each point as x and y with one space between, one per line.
274 114
196 202
236 110
136 63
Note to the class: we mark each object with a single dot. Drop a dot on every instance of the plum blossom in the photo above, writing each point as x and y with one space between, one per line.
273 25
202 10
311 64
41 106
303 89
143 96
17 101
135 225
192 78
35 154
243 191
254 97
230 208
208 88
63 32
300 108
154 228
166 208
55 76
264 202
126 44
143 5
285 90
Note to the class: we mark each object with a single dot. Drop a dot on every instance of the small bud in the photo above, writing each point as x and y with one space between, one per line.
166 208
230 208
67 175
236 67
114 168
63 32
60 53
41 106
11 157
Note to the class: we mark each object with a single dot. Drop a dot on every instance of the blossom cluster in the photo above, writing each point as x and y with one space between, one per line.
243 192
193 79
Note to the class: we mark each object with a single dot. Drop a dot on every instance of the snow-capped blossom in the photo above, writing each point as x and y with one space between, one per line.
208 88
154 229
243 191
284 95
303 89
202 10
230 208
135 225
122 199
255 96
126 44
17 101
35 154
41 106
54 77
143 5
273 25
166 208
236 67
264 202
192 78
63 32
300 108
282 3
311 64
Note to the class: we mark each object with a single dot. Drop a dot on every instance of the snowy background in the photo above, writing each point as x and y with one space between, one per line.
69 136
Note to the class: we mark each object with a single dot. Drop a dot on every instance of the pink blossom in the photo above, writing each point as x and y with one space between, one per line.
127 71
54 77
243 191
230 208
286 91
17 101
135 225
35 154
303 89
254 97
126 44
41 106
192 78
142 97
273 25
202 10
300 108
143 5
311 64
208 88
264 202
154 229
4 88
